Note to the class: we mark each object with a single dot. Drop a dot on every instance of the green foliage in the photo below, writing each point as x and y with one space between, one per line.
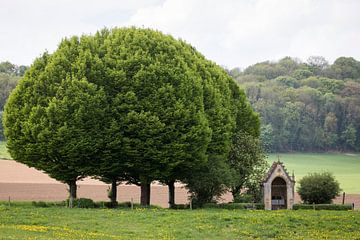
318 188
232 206
248 164
309 106
12 69
83 203
337 207
7 84
243 198
43 204
180 206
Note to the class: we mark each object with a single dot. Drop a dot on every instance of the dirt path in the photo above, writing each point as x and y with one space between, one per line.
20 182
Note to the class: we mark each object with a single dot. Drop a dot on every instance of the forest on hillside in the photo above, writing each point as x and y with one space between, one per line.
305 106
10 75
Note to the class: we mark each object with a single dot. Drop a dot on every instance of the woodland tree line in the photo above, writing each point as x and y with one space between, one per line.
305 106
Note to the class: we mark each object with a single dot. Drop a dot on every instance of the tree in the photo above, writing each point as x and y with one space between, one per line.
12 69
7 84
247 162
55 127
159 125
206 182
345 67
318 188
317 64
7 67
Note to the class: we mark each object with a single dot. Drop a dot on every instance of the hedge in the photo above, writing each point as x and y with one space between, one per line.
337 207
257 206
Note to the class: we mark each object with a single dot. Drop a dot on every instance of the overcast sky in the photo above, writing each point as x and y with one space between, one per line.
233 33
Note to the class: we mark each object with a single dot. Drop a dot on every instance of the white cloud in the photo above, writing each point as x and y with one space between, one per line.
239 33
28 28
229 32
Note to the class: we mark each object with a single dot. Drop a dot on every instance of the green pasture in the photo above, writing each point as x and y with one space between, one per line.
27 222
345 167
3 151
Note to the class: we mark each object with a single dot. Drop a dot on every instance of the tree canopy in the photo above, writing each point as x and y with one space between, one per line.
306 106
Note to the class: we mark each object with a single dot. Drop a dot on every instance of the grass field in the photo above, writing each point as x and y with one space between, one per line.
27 222
345 167
3 151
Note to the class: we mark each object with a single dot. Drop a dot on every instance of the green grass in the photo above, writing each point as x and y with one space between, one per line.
345 167
27 222
3 151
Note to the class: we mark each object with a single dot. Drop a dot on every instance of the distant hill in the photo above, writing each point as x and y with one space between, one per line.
312 106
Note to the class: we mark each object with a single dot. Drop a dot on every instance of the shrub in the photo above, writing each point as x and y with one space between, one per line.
180 206
39 204
318 188
337 207
243 198
232 206
48 204
83 203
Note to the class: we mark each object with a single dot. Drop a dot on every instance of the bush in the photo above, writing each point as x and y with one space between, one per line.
243 198
231 206
318 188
337 207
83 203
180 206
40 204
48 204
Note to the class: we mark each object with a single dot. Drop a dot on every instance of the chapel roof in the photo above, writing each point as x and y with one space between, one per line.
272 169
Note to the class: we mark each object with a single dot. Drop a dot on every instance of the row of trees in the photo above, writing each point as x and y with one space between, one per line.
312 106
134 105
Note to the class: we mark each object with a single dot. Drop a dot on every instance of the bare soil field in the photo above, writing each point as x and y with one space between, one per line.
22 183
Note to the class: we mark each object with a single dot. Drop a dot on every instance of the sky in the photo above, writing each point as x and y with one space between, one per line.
232 33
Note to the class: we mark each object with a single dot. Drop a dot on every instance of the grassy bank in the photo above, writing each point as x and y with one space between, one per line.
27 222
345 167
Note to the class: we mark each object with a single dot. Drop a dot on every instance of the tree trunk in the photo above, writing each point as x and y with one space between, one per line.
235 191
72 192
145 194
171 187
114 193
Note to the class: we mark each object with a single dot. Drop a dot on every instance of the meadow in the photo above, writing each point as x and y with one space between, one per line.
29 222
345 167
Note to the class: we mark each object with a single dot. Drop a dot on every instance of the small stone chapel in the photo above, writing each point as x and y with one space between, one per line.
278 188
